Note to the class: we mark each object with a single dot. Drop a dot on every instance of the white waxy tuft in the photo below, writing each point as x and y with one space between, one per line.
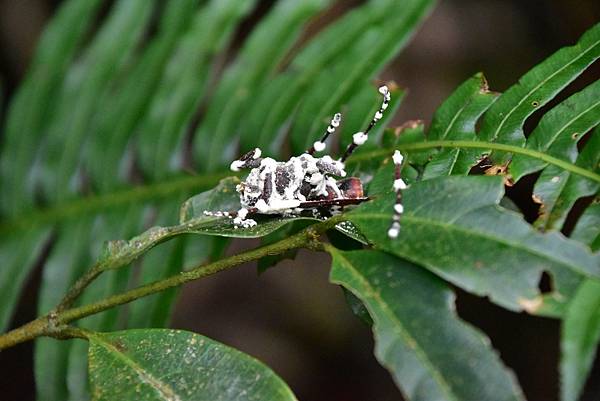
257 153
359 138
397 157
336 120
383 90
399 208
399 184
316 178
283 204
384 106
378 115
236 165
319 146
394 230
262 206
242 213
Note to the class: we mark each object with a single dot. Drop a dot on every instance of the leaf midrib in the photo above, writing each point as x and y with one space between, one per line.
160 387
409 339
465 230
481 145
97 203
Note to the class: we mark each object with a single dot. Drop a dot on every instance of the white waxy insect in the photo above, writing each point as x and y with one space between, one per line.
306 182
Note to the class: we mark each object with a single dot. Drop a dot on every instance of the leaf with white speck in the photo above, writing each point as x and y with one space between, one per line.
174 365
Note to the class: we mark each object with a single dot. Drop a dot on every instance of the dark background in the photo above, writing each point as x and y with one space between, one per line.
290 317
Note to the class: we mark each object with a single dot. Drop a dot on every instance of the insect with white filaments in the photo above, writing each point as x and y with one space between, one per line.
306 183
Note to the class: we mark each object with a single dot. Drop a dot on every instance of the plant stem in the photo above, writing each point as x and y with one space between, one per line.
54 324
29 331
77 288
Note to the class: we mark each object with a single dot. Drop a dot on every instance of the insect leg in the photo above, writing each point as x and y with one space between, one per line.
251 159
399 185
361 137
319 146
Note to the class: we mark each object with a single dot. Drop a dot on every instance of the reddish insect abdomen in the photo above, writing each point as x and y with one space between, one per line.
351 187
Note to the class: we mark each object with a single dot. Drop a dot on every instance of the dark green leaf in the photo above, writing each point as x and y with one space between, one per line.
281 99
33 103
558 190
357 307
19 254
581 326
367 55
587 229
454 227
176 365
419 338
503 122
580 337
86 81
560 129
456 119
125 105
255 65
184 82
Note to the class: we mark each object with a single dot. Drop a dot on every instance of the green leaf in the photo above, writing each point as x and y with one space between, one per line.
255 65
579 339
558 190
503 122
456 119
129 101
419 337
454 227
183 85
87 81
581 326
19 255
280 100
33 103
176 365
560 129
587 229
392 26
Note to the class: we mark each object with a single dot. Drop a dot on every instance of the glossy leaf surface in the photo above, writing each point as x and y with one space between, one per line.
456 119
579 339
454 227
504 121
176 365
581 327
419 337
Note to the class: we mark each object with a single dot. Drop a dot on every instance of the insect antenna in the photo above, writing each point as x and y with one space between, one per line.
399 185
361 137
319 146
251 159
